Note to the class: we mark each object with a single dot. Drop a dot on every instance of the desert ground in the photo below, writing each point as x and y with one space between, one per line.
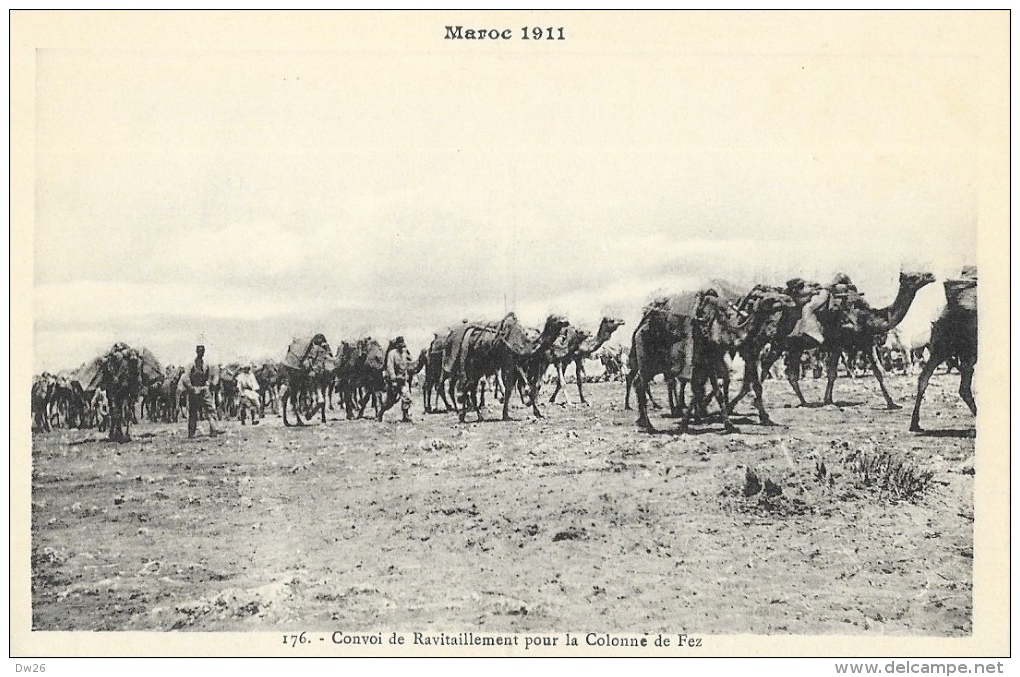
835 521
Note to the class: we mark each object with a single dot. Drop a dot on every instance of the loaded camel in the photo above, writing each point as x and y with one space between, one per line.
580 345
475 351
954 335
686 337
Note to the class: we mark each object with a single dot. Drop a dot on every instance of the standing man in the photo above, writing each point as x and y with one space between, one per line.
196 379
248 390
397 380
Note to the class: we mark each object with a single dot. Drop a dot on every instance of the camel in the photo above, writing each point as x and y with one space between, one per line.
834 309
580 346
475 351
954 335
873 322
305 371
359 374
687 337
67 406
771 331
268 375
435 377
662 343
123 373
42 395
167 403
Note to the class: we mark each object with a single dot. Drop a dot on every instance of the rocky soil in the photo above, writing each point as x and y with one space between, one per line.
838 520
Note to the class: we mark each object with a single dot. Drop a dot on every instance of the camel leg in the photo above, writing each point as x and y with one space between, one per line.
579 370
442 394
473 399
745 388
126 436
559 384
686 412
364 403
348 398
464 400
534 400
628 382
453 396
831 367
508 385
966 376
642 403
922 384
889 403
671 396
116 420
752 379
793 375
846 363
720 397
283 406
295 396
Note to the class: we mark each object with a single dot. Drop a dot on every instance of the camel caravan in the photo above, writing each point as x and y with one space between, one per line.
689 339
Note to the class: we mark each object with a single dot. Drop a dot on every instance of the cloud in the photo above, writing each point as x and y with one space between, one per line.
250 205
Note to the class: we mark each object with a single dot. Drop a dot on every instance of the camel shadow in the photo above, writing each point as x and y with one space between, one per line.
493 420
950 432
820 405
676 432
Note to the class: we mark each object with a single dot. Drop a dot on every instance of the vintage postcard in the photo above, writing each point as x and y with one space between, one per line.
510 334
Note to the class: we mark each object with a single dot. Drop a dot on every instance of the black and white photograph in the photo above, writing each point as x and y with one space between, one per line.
512 333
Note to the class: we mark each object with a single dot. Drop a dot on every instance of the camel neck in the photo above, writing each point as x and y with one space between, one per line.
884 319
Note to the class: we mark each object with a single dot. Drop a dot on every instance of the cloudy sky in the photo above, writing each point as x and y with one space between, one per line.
249 196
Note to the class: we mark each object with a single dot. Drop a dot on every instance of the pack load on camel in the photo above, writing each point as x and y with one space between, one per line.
816 300
306 353
961 294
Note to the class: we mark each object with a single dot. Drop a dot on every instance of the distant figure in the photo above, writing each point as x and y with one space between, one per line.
196 380
397 359
248 394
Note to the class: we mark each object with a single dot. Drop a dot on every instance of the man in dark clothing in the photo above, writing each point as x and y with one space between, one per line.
196 380
397 386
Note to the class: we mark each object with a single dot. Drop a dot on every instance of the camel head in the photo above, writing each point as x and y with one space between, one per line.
915 280
610 325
